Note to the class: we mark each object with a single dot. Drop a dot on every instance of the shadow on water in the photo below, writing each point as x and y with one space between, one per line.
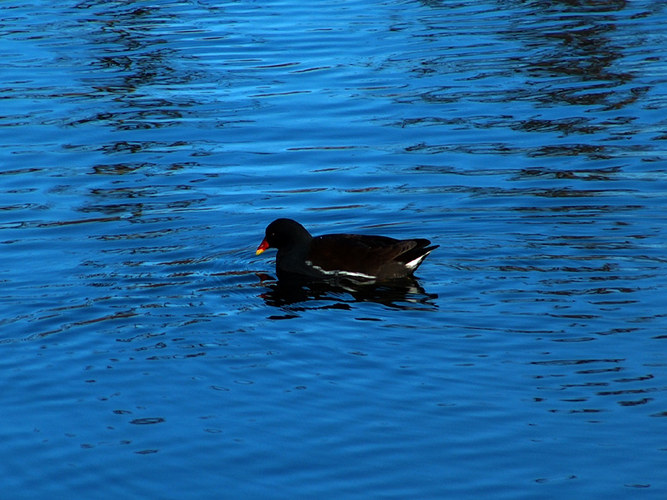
579 57
405 294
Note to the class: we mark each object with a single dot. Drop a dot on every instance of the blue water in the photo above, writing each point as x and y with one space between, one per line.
146 352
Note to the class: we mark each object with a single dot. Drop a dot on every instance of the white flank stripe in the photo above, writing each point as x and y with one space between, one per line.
341 273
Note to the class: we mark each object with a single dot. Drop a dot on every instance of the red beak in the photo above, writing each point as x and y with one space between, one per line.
263 246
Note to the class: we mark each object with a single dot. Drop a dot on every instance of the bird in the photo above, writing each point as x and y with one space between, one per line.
355 257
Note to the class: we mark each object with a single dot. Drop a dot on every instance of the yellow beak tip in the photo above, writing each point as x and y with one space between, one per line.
259 251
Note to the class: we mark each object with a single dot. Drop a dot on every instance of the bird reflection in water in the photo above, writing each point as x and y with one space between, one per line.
404 293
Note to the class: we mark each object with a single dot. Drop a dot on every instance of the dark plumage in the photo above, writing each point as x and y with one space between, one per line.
355 257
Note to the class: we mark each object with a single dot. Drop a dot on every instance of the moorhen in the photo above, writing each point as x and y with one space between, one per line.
356 257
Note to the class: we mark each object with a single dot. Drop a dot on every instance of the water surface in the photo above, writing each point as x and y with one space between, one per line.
146 350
